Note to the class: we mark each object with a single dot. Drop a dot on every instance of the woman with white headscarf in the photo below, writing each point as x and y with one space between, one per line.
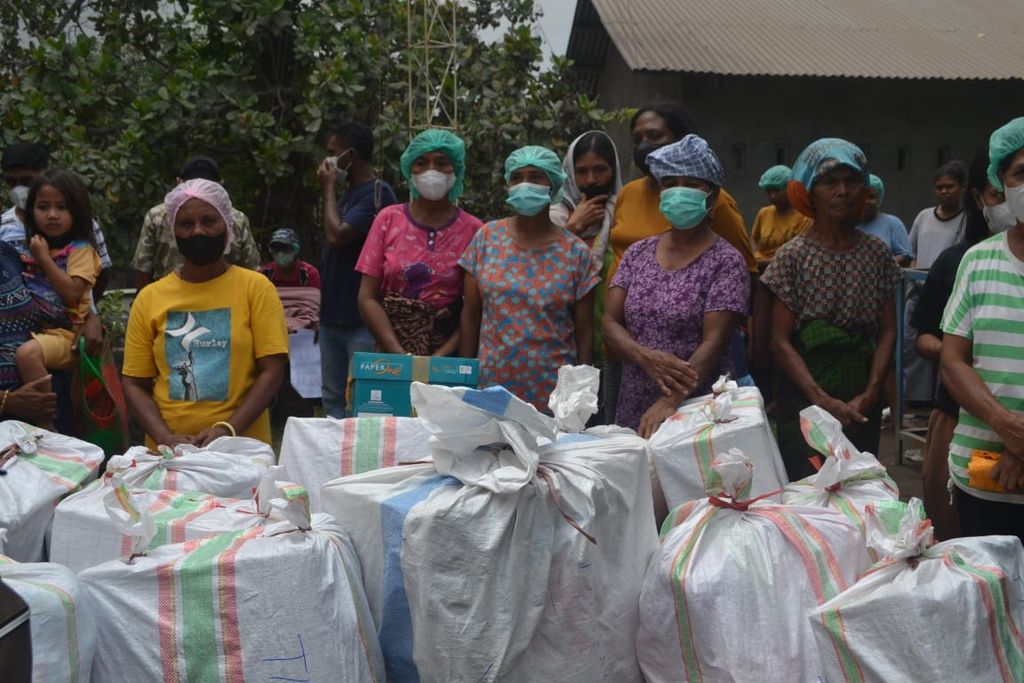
677 298
592 183
206 346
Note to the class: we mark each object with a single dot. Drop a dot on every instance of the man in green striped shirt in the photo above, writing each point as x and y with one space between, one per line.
983 360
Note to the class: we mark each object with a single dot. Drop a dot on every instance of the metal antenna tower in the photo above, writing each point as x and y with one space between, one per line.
433 60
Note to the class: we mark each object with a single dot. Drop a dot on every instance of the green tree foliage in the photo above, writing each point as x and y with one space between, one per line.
124 90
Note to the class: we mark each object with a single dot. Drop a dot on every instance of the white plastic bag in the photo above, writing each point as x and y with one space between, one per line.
848 480
317 450
684 446
49 466
230 466
61 622
726 598
522 561
277 601
574 400
84 534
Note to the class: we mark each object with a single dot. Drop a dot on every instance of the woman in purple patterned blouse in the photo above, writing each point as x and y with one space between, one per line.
677 297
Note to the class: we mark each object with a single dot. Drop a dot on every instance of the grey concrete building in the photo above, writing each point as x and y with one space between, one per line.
915 82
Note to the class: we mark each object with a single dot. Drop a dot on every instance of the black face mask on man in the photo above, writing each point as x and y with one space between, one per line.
202 250
640 154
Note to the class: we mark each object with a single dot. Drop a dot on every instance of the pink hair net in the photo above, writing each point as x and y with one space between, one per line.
207 191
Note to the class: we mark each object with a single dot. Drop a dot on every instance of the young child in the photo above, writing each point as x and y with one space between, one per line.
60 269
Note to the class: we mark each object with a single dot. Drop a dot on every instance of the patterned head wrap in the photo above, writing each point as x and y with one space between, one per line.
691 157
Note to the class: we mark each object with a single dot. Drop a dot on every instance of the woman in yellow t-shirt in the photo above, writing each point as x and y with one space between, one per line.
774 225
206 346
778 222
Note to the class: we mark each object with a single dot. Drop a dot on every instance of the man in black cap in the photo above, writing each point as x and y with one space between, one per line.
157 253
21 163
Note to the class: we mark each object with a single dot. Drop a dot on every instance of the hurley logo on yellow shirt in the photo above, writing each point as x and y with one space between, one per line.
197 345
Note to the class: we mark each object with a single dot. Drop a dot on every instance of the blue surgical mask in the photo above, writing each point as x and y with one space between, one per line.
684 207
528 199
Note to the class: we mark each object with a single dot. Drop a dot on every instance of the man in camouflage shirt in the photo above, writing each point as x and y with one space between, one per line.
157 253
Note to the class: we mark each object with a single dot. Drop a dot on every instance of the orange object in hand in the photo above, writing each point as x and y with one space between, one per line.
979 471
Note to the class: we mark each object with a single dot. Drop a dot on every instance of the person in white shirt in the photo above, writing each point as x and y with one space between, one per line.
934 230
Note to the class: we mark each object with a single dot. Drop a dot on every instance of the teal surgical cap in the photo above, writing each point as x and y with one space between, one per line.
824 156
876 184
436 140
1004 143
542 158
775 178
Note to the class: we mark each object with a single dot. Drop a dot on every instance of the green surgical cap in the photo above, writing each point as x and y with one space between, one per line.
436 140
876 184
542 158
1004 143
775 178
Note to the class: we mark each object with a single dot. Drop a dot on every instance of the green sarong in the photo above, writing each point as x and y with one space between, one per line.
840 362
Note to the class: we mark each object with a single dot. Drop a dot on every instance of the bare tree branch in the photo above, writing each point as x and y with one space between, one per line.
72 13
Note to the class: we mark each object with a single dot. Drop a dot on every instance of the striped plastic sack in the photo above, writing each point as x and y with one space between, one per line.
849 479
46 467
230 466
733 417
84 535
537 581
280 601
727 596
63 631
315 451
952 611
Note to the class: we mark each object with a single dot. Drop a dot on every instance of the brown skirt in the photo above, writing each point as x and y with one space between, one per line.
421 329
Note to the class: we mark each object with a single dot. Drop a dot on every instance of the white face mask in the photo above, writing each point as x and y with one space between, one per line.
18 196
999 217
1015 200
433 185
340 173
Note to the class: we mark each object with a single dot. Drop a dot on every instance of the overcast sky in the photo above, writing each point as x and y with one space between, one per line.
556 23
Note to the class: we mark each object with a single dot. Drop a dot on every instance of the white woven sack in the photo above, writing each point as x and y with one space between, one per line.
62 626
317 450
511 558
230 466
278 601
48 467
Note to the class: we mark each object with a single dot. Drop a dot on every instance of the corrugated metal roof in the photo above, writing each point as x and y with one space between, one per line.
944 39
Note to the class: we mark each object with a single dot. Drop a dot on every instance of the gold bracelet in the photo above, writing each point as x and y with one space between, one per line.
3 403
226 425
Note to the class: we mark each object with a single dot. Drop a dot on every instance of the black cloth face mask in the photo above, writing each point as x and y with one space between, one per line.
591 191
641 152
202 250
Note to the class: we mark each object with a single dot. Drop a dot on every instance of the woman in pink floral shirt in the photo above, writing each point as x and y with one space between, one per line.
410 296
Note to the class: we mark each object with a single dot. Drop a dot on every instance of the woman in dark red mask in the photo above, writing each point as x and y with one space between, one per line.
206 346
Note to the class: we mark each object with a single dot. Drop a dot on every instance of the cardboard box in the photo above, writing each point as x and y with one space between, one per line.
379 382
